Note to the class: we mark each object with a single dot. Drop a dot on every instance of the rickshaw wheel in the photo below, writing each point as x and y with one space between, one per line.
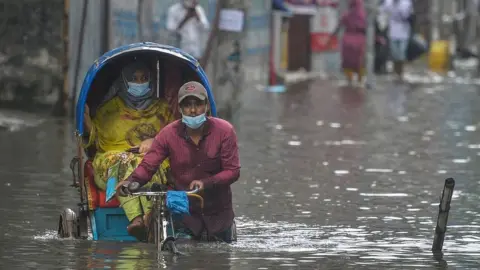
169 245
68 224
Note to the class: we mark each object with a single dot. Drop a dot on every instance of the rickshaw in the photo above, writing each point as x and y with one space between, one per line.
105 219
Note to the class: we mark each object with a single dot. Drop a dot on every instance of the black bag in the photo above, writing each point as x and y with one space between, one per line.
381 57
417 46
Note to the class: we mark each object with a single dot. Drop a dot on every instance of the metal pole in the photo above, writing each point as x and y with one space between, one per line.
442 219
370 58
140 20
79 58
213 36
106 27
471 23
435 31
62 103
66 44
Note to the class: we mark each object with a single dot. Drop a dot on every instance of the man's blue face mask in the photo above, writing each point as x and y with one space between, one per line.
138 89
194 122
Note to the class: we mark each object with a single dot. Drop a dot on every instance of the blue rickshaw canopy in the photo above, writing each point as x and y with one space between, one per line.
155 48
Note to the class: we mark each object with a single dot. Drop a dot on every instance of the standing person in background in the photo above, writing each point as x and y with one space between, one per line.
400 13
381 41
354 40
187 20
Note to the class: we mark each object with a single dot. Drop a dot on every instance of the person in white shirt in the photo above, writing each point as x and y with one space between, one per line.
399 12
187 19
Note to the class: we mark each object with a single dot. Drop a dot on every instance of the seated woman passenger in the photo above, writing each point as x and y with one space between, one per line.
130 119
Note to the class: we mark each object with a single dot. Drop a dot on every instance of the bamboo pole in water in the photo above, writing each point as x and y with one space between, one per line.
442 219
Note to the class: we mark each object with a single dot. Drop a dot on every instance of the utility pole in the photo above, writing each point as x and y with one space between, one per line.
471 13
435 31
140 29
372 6
78 57
227 73
106 27
61 108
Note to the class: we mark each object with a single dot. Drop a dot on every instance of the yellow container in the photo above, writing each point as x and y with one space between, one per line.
438 56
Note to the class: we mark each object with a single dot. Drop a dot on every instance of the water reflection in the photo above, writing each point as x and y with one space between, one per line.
332 178
122 256
352 97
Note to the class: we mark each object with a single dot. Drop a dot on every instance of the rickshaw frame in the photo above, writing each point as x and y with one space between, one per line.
161 217
76 226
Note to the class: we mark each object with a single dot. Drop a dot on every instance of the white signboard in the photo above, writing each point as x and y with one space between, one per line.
325 20
231 20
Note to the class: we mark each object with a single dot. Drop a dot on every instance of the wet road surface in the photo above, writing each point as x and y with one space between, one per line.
332 178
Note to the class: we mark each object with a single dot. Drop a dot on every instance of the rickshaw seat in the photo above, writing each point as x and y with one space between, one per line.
96 196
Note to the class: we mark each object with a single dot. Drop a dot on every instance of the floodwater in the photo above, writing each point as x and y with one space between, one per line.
332 178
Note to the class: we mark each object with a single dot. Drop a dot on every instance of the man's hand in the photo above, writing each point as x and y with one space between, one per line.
192 13
196 184
122 188
145 146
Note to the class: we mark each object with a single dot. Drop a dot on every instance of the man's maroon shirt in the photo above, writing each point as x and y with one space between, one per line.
214 161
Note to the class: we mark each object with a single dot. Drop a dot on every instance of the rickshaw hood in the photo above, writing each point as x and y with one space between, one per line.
131 48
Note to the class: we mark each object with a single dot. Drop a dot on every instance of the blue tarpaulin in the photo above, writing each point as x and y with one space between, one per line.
177 202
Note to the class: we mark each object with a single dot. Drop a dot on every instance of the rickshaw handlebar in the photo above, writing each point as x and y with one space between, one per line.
154 190
135 150
158 190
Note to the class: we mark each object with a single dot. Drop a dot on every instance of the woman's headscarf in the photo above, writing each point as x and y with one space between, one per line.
356 15
141 102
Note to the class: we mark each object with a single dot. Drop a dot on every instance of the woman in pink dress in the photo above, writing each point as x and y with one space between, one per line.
354 21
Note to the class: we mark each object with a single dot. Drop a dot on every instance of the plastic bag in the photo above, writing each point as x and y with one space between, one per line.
177 202
112 182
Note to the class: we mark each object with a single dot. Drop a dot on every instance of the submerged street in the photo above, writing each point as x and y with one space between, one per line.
332 177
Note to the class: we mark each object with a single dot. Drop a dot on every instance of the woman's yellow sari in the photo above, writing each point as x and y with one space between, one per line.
117 128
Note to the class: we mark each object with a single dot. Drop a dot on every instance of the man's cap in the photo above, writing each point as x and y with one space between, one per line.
194 89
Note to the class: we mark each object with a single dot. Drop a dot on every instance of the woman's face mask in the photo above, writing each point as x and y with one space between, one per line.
138 83
138 89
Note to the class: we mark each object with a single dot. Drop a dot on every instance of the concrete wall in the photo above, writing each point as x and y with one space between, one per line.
31 52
